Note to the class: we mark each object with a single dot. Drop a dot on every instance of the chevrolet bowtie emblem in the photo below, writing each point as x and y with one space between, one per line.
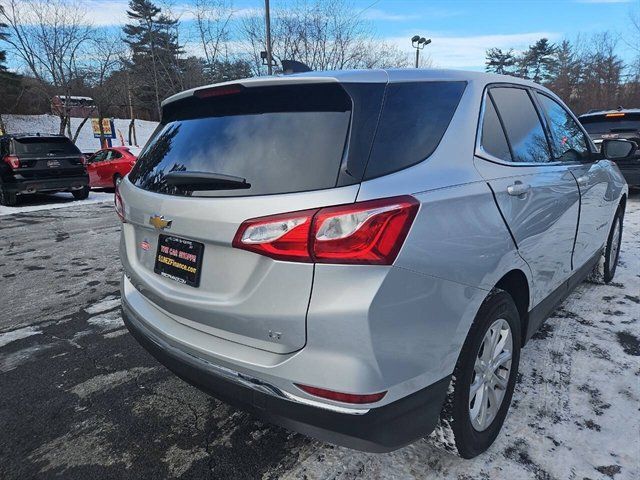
159 222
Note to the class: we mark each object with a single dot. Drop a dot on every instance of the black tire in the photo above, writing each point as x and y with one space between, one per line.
117 178
82 194
8 199
612 249
470 441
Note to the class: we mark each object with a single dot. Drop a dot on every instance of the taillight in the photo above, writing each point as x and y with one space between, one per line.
342 397
370 232
283 237
12 161
119 205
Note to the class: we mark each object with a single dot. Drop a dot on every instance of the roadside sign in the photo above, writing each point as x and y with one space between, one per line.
108 128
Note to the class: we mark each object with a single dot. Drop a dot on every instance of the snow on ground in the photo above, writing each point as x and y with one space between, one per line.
13 335
575 409
50 124
37 202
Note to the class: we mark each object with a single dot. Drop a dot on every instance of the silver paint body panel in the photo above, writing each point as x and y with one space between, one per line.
366 329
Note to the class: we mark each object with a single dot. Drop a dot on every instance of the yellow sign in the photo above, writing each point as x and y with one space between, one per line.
106 127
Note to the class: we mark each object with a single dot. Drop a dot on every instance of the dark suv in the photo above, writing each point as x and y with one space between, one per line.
31 163
621 124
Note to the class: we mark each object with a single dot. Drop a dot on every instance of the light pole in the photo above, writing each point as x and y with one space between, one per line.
419 43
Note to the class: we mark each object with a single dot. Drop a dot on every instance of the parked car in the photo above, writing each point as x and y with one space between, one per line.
357 254
108 166
617 124
34 163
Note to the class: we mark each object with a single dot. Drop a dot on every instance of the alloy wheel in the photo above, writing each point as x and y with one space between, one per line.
490 375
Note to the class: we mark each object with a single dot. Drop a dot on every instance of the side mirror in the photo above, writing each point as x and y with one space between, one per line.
617 149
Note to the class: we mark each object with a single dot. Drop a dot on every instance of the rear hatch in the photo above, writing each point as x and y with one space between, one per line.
246 152
47 157
615 125
611 125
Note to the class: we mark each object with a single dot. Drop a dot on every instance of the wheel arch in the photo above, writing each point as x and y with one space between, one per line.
516 284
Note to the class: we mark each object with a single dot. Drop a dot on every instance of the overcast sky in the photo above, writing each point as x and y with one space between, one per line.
461 30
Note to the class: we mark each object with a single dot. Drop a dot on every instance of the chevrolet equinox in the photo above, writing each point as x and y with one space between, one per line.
356 255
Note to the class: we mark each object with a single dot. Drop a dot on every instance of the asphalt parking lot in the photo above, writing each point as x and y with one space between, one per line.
80 399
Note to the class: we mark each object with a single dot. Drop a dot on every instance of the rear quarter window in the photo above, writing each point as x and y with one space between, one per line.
414 118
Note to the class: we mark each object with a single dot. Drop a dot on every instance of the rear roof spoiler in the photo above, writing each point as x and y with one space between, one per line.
295 79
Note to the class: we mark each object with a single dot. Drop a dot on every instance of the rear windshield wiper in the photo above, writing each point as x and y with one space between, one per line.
195 181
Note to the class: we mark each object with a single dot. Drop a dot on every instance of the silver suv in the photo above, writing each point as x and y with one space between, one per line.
356 255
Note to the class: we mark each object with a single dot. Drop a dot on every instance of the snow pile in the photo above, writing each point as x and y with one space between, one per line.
86 143
34 203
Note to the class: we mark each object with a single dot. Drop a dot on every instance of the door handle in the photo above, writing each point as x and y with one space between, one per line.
582 181
518 189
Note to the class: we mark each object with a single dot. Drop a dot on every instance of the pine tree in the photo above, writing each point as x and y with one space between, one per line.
538 62
155 64
565 72
499 61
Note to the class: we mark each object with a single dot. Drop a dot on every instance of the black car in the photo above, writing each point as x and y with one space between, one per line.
32 163
617 124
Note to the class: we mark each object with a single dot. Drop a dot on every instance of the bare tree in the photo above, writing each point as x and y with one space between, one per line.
325 35
600 73
105 51
49 38
212 19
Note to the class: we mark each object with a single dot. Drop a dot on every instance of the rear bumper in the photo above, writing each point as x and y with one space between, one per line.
380 429
47 184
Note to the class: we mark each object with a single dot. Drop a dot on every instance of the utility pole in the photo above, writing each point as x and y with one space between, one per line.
268 22
419 43
132 122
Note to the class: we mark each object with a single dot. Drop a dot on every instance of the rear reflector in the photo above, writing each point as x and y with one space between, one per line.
342 397
12 161
369 232
218 91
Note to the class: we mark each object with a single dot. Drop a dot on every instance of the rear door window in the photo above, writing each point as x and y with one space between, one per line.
522 124
414 118
44 146
567 139
280 139
493 139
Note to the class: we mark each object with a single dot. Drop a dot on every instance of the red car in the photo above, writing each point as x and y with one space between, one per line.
107 167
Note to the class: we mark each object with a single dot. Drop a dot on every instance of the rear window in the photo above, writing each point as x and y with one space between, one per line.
414 119
280 139
615 123
44 146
